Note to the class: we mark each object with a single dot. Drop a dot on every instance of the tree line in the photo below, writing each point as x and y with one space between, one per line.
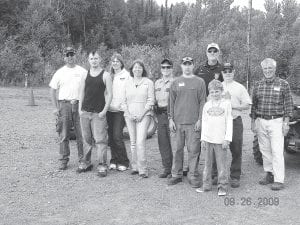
34 32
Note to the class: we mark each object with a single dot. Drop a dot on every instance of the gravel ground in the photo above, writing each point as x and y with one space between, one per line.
33 191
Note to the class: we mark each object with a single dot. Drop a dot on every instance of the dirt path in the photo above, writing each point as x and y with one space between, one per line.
33 191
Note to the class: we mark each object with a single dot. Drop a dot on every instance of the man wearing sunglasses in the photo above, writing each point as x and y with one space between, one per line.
65 84
162 88
212 68
187 98
240 100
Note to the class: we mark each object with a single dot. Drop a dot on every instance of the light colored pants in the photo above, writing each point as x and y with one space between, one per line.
138 134
94 130
271 144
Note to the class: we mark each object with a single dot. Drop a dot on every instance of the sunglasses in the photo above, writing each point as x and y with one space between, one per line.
70 54
166 67
187 63
212 51
227 71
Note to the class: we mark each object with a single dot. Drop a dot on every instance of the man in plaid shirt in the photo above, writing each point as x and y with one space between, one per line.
272 106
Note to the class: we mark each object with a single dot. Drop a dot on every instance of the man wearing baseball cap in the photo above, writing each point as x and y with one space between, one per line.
211 69
66 81
162 88
187 98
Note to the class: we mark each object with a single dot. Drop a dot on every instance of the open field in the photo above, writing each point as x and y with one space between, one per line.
33 191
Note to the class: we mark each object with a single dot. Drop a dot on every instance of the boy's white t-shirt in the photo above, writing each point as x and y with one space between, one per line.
68 81
216 122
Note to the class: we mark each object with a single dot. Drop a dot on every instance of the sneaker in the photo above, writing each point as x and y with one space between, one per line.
143 175
134 172
84 168
234 183
194 183
102 171
201 190
268 179
164 175
222 192
174 180
214 180
276 186
112 166
63 166
121 168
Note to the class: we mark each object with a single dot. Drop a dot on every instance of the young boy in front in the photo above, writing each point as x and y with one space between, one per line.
216 135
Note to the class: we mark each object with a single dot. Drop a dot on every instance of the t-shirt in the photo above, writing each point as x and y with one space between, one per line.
68 81
216 122
238 95
187 98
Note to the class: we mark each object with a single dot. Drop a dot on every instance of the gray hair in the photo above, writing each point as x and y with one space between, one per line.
268 61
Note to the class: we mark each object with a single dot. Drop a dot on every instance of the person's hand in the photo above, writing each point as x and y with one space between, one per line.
198 125
56 112
285 128
172 125
225 145
102 114
253 127
139 118
203 145
131 117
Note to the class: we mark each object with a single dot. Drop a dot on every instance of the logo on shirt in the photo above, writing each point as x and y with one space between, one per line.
181 84
216 111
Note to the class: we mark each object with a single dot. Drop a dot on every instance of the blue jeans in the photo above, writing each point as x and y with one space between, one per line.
116 123
210 151
164 142
94 131
186 135
68 114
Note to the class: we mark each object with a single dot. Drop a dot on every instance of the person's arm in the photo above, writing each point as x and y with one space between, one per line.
245 101
253 109
202 99
81 93
150 101
54 100
108 86
229 126
172 98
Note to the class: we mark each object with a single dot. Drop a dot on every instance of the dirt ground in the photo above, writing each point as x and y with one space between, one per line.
33 191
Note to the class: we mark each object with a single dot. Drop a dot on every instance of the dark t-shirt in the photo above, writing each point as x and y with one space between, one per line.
208 73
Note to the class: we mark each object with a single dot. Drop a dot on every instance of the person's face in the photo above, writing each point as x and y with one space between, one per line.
228 75
70 58
215 94
137 70
269 70
166 69
187 68
94 60
116 64
212 54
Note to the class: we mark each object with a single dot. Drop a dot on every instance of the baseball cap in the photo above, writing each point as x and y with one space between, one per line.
69 50
167 61
187 59
227 66
213 45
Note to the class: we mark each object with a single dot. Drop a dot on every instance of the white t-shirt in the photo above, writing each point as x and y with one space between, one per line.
68 80
238 95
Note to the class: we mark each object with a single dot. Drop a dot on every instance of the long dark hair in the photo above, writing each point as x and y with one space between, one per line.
118 57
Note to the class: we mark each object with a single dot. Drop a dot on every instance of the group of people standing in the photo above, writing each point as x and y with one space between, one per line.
202 107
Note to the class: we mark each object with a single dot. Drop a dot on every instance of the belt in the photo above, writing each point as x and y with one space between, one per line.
161 110
269 117
73 102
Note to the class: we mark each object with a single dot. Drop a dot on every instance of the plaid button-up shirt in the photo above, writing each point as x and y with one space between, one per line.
272 98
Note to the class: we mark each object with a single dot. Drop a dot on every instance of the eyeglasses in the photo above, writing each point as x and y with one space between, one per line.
227 71
115 61
188 63
212 51
70 54
166 67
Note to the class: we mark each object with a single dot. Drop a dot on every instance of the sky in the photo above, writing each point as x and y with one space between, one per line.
256 4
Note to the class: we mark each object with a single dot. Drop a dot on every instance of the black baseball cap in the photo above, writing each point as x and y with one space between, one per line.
167 61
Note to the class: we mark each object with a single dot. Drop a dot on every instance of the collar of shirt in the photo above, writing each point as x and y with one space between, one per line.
270 81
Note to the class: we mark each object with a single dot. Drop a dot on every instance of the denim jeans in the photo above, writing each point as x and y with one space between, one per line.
69 116
236 150
220 156
94 131
138 134
186 135
116 125
271 143
164 142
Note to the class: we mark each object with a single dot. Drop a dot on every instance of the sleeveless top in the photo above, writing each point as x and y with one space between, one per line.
94 100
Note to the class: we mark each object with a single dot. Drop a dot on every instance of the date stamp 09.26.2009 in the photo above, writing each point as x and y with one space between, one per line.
249 201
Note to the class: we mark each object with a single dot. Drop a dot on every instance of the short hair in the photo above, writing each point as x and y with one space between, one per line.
118 57
139 62
215 85
268 61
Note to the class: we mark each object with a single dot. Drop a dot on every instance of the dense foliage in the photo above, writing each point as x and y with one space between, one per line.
34 32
